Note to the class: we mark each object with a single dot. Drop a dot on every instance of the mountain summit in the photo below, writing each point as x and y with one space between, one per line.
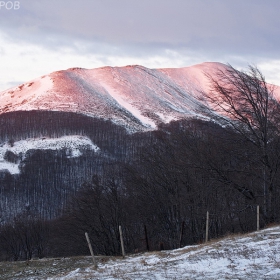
135 97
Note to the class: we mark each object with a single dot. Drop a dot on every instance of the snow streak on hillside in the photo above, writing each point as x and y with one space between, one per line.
250 257
73 144
133 96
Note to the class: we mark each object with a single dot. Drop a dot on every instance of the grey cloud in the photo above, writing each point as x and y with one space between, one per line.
217 27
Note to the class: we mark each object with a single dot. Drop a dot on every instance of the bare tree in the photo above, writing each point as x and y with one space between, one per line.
244 101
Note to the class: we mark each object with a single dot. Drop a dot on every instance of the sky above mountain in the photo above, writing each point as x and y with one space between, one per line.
39 37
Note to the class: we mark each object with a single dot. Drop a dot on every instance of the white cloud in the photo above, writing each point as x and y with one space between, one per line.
26 61
23 60
271 70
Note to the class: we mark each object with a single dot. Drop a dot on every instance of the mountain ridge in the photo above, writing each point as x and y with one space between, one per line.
134 96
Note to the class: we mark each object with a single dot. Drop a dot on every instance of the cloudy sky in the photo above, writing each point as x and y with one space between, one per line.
39 37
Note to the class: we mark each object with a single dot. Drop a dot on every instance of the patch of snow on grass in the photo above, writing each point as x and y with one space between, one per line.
250 257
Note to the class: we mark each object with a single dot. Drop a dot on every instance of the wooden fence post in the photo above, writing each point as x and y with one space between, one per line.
91 251
258 217
181 234
121 238
207 226
146 238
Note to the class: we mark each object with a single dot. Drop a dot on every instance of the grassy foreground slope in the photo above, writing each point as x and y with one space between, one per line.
252 256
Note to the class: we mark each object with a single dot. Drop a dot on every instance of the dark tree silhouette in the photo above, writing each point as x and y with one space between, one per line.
244 101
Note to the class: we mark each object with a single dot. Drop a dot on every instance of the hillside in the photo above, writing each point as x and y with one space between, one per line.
244 257
108 107
136 147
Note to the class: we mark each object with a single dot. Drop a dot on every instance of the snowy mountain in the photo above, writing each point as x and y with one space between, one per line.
135 140
133 96
58 130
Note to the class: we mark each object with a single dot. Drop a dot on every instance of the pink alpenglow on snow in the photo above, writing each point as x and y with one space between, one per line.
136 97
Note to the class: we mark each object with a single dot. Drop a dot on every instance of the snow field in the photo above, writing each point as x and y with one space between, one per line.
73 143
251 257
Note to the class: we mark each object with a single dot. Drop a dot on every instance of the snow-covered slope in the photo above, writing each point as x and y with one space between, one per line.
74 145
250 257
134 96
